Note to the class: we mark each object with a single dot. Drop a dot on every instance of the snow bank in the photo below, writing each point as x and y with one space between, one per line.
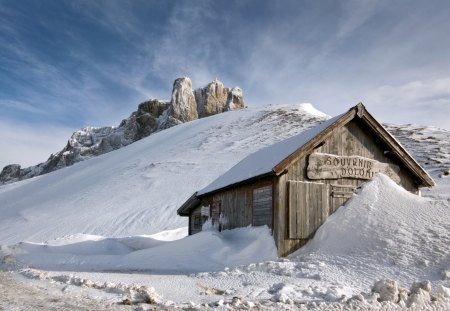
389 223
205 251
385 231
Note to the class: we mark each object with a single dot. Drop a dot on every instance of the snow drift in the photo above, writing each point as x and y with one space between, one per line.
208 250
385 232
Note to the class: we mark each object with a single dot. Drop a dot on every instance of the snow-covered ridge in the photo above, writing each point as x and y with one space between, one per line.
428 144
150 117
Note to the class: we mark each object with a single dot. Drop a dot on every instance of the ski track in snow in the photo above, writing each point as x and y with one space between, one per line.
135 191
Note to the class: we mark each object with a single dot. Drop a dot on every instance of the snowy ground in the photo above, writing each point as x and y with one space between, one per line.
105 232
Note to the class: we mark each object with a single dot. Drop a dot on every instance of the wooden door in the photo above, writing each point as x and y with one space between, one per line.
308 205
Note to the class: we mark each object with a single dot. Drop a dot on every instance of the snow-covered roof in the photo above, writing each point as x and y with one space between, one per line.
263 161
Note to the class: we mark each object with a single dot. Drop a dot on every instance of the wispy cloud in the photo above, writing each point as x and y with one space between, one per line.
72 90
28 145
187 46
20 107
420 91
423 101
355 14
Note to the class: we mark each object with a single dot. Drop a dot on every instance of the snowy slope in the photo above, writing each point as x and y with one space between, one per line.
136 190
400 239
383 235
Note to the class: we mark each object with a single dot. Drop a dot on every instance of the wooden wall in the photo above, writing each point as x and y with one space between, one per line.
235 204
195 221
352 139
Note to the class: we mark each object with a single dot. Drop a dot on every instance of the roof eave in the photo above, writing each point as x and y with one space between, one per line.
187 206
245 181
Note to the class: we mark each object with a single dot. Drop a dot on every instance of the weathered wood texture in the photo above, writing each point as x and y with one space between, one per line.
353 139
262 201
330 166
284 244
236 205
307 206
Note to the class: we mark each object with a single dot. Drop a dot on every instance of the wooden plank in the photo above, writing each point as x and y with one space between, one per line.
299 197
342 186
295 212
308 207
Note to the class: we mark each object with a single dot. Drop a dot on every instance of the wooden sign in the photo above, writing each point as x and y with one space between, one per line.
330 166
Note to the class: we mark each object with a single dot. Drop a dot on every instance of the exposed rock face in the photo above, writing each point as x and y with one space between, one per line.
10 172
235 100
214 98
182 104
211 98
147 117
151 116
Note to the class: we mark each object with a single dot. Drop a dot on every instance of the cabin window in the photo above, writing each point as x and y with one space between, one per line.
195 222
262 205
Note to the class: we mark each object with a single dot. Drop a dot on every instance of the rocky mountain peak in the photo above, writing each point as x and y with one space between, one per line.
215 98
182 104
151 116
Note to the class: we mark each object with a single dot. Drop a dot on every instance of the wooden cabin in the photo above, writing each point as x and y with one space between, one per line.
292 186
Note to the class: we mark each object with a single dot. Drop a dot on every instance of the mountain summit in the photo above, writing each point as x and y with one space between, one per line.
150 117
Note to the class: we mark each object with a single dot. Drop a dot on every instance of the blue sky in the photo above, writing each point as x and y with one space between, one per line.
69 64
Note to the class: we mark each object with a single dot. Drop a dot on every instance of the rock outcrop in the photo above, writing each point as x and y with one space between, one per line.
10 172
182 104
151 116
214 98
235 99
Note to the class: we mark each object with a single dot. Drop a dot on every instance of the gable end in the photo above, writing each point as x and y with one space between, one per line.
360 111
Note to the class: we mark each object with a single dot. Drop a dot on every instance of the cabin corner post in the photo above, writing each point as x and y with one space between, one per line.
284 245
189 224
